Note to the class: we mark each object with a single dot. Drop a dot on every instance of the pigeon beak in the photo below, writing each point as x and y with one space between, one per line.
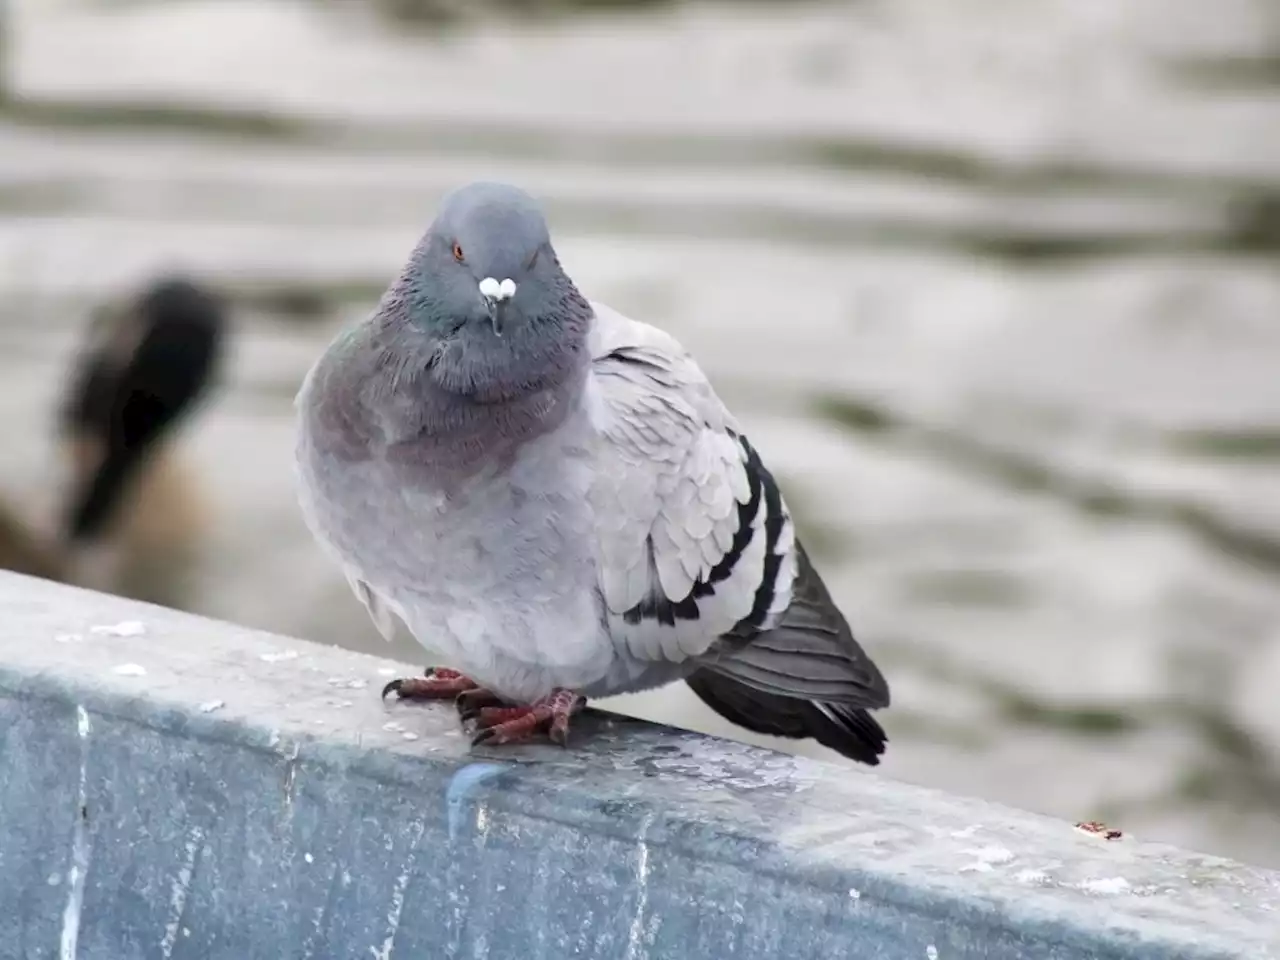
496 316
496 297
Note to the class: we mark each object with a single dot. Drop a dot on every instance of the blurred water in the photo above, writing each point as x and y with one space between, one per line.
992 285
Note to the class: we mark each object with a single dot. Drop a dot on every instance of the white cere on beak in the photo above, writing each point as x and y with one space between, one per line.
493 290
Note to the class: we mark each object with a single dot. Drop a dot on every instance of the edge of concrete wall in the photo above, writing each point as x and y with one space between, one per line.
176 786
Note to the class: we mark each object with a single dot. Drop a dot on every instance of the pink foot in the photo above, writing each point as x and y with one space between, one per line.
514 724
439 683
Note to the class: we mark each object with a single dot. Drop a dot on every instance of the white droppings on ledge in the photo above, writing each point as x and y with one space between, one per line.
992 853
275 656
309 858
179 891
396 906
68 945
636 936
386 672
393 727
125 628
986 858
68 637
931 952
291 775
1031 876
211 705
1106 886
717 764
409 736
855 894
130 670
348 684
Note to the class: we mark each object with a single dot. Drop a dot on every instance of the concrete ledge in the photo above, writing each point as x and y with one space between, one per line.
177 787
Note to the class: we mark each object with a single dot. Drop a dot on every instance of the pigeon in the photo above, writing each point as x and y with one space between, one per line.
552 498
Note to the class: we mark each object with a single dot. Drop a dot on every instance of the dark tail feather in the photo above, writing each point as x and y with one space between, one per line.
850 731
94 501
128 404
811 653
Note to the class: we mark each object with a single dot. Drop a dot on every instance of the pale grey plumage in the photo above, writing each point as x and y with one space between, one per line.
568 504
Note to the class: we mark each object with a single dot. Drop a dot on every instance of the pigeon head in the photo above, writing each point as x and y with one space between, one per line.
486 286
487 259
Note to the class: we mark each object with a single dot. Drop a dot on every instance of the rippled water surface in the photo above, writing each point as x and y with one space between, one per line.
994 287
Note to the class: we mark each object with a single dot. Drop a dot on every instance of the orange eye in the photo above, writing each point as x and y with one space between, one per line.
457 251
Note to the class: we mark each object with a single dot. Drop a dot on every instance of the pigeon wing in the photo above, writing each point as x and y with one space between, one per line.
680 514
697 552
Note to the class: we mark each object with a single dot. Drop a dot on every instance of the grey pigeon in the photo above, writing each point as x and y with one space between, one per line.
552 497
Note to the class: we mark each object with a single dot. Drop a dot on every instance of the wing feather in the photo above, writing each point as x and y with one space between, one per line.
687 528
380 612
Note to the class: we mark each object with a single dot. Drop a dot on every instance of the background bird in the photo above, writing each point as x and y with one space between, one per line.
553 497
129 507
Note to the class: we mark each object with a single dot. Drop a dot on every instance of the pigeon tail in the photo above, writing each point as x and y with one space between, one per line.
806 676
850 731
810 653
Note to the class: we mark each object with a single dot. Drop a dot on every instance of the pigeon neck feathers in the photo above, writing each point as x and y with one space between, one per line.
467 360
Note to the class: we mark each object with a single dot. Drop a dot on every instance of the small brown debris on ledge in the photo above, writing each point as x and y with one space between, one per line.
1096 828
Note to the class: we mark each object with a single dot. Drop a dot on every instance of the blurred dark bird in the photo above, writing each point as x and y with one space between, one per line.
145 366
